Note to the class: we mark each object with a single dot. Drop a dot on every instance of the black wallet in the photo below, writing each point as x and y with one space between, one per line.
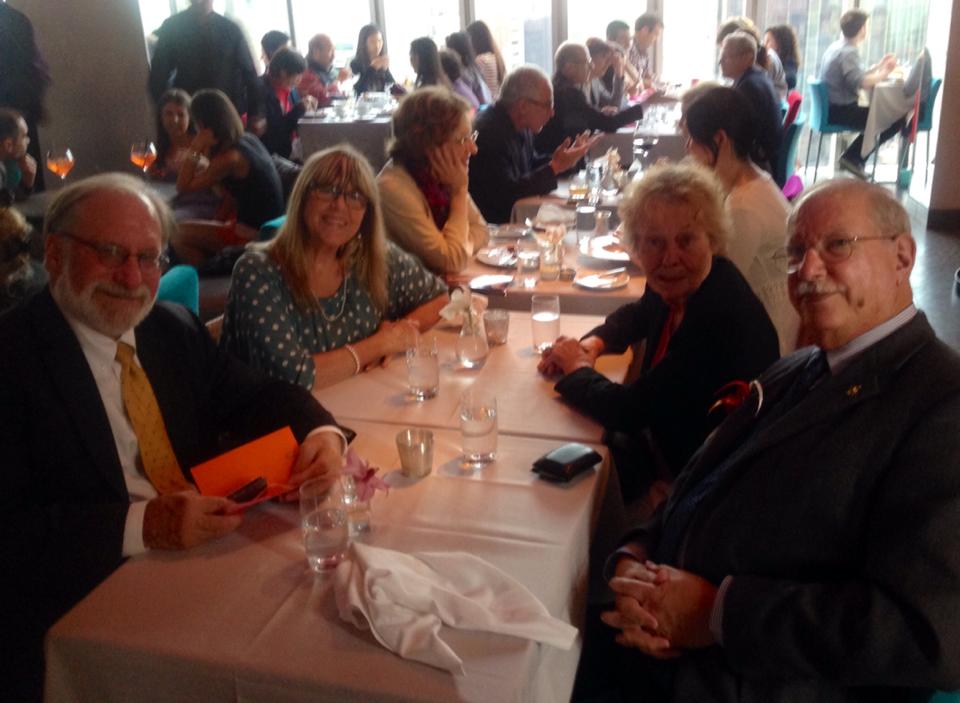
564 463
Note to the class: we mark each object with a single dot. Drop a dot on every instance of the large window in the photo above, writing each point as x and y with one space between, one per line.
522 29
341 25
406 22
689 41
584 21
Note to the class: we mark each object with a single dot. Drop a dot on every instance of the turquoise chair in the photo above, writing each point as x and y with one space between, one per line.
269 229
926 124
943 696
181 285
783 167
820 120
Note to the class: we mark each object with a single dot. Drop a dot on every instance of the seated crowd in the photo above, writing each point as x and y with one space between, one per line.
796 516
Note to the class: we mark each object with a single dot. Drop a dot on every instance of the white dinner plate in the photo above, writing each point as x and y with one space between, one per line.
597 281
510 231
492 281
499 257
605 248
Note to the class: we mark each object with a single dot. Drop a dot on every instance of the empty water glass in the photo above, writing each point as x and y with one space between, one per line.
497 323
423 368
325 523
478 426
528 263
586 217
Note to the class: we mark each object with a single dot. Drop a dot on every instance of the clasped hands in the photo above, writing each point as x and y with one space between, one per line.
659 609
187 519
566 355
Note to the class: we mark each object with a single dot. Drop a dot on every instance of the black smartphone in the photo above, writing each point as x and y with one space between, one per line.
249 491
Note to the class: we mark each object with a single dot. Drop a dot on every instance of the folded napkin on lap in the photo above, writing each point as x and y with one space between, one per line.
405 598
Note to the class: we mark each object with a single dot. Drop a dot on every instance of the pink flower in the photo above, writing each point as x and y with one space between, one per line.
364 476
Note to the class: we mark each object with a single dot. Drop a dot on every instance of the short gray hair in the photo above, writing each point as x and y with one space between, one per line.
886 213
60 212
521 83
743 42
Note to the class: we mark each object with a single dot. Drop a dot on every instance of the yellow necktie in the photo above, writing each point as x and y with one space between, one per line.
156 454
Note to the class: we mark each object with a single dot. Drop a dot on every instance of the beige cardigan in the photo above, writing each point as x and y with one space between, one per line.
409 223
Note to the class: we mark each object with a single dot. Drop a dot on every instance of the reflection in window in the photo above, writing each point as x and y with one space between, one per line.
428 18
522 30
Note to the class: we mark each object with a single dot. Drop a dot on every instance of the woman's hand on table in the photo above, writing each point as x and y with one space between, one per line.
565 356
448 166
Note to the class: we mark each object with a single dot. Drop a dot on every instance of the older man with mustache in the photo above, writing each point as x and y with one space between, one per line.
810 550
106 401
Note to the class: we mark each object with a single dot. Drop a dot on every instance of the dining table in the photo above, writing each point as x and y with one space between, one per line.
597 289
243 618
527 405
887 105
368 134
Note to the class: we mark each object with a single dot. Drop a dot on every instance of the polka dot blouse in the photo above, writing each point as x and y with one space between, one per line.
264 327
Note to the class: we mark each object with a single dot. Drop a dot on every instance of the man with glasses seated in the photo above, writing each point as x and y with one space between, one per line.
506 166
106 401
810 550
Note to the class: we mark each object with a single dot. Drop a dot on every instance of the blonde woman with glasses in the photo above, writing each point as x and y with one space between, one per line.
329 296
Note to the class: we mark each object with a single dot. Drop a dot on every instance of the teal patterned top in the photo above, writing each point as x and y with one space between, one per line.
264 327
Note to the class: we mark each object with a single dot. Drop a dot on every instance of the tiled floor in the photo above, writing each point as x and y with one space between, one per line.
938 258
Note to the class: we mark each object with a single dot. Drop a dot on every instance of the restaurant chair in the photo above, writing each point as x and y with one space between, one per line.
925 124
794 103
181 285
820 120
785 163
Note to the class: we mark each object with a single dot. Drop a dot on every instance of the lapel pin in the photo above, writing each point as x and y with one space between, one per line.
854 390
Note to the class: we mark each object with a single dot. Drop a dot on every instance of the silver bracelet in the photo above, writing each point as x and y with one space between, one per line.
356 358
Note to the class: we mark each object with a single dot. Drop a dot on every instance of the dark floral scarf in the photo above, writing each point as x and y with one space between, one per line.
437 195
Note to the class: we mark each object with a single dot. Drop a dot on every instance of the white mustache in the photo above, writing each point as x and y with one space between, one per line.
818 287
141 292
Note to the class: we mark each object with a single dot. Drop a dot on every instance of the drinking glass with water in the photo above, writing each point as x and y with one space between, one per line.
528 263
478 426
423 368
325 523
545 318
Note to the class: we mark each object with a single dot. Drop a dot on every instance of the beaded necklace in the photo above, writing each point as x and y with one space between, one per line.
343 302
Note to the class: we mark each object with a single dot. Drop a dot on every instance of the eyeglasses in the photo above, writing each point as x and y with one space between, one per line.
831 250
113 256
472 137
354 199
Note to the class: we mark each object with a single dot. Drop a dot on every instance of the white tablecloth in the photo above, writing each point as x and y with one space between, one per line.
242 619
369 137
887 105
669 144
527 404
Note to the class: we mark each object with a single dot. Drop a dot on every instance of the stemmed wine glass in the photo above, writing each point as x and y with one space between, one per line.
143 154
60 161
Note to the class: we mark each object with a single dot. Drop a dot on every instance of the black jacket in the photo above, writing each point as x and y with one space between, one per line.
572 114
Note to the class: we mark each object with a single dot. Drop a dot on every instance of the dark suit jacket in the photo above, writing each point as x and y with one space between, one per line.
756 87
573 115
64 502
725 335
506 166
209 52
840 525
278 138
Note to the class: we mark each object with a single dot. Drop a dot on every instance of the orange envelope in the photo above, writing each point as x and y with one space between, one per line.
272 456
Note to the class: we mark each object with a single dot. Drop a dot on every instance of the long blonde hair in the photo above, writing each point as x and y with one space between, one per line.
365 255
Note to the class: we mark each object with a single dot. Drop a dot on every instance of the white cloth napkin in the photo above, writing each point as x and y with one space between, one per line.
404 599
550 214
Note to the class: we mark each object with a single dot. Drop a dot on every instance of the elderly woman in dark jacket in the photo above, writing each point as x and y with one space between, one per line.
702 326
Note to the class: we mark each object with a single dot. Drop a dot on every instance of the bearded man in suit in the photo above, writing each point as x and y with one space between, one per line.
810 550
106 401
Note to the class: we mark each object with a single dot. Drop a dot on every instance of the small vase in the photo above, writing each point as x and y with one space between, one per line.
472 347
358 511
